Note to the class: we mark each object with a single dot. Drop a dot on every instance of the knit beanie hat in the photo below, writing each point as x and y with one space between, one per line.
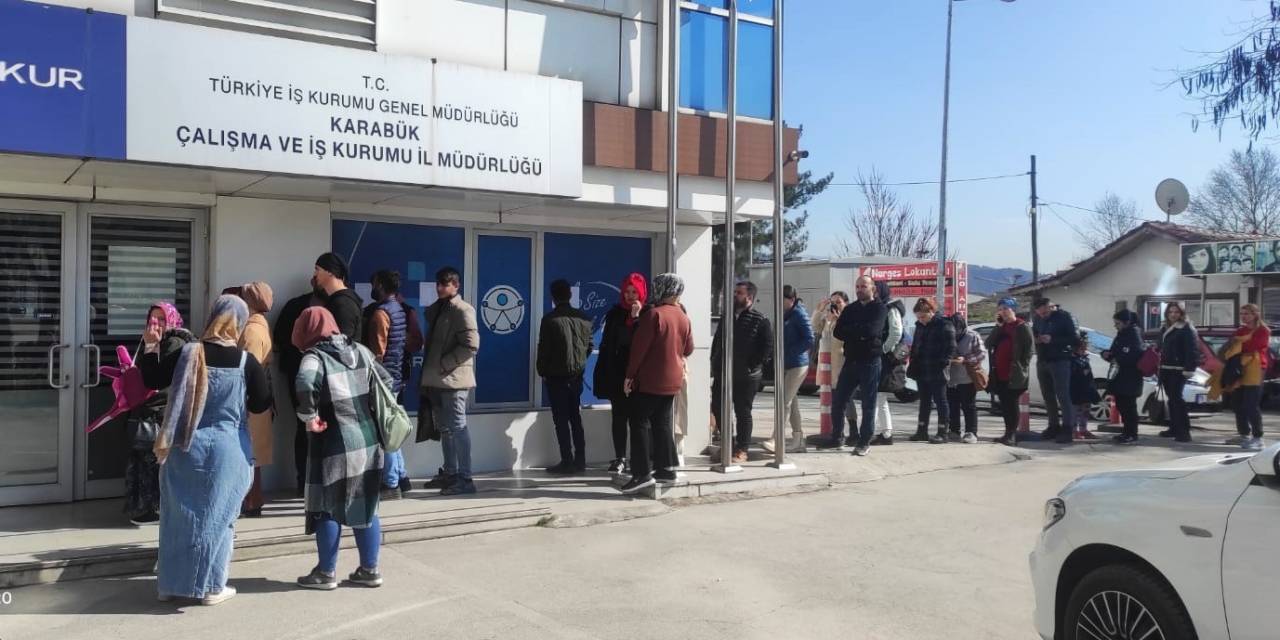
333 263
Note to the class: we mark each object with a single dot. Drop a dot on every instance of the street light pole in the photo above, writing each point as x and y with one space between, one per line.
942 186
727 316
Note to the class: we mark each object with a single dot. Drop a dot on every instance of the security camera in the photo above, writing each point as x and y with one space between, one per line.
797 155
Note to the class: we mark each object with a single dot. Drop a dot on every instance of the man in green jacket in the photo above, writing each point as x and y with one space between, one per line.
564 343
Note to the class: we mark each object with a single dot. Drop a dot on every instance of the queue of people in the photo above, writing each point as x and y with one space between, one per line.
198 445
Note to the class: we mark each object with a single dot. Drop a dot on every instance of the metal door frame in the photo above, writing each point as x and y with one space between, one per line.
64 489
86 489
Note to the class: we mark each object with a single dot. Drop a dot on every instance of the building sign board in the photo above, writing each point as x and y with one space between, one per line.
1230 257
157 91
920 280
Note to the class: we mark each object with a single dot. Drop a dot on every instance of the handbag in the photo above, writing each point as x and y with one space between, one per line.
426 420
1149 363
391 419
978 376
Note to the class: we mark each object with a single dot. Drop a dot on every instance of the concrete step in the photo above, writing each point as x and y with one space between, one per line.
131 559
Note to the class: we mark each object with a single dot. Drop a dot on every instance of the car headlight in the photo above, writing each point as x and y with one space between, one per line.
1054 510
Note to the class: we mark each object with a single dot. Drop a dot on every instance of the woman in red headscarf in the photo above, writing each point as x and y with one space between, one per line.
611 365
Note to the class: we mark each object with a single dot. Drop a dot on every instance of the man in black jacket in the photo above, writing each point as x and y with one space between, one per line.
861 327
1056 337
564 343
331 274
290 361
752 345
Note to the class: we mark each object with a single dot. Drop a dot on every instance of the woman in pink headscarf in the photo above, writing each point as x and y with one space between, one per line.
142 471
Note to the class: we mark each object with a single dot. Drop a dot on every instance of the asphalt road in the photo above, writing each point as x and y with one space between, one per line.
936 555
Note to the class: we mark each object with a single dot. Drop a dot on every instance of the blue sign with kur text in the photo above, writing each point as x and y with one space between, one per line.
62 81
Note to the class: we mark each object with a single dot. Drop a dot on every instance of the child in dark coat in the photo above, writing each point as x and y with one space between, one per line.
1084 393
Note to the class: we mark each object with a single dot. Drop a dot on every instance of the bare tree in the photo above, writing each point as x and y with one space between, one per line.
1241 83
887 226
1242 196
1112 217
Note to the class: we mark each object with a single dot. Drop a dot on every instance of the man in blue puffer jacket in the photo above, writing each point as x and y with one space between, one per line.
797 341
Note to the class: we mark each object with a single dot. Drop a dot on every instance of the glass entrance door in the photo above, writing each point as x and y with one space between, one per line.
36 358
132 258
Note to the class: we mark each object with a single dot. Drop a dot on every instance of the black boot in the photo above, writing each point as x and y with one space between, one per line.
922 434
941 437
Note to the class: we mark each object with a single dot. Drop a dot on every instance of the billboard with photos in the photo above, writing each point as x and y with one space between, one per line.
1230 257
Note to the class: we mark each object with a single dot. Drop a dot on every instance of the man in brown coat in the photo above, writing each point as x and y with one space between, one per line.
448 376
663 339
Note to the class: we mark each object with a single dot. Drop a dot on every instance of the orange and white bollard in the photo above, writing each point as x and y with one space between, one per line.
824 388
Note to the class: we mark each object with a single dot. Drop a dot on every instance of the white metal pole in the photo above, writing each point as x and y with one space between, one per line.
673 117
779 253
942 186
727 318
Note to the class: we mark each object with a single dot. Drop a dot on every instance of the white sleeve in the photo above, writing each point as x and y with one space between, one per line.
895 331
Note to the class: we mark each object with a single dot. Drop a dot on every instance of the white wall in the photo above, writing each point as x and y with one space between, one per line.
276 241
693 263
126 7
611 46
1151 269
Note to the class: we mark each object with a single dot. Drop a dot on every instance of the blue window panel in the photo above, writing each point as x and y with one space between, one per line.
704 65
755 70
595 267
761 8
416 251
504 288
704 61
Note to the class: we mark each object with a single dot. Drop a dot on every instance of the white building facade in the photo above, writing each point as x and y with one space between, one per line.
165 150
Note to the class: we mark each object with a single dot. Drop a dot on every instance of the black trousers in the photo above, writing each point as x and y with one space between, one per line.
565 394
621 416
1247 402
1172 382
933 393
1008 398
961 399
744 396
651 436
1128 408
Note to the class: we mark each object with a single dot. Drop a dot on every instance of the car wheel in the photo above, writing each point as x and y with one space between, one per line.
906 395
1124 601
1100 411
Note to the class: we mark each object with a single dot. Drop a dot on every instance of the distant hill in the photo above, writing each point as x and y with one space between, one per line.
988 280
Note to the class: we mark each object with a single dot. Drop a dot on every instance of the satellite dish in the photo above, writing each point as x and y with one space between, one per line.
1172 196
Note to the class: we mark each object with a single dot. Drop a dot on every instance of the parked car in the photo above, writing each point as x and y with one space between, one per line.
1213 339
1151 403
1170 552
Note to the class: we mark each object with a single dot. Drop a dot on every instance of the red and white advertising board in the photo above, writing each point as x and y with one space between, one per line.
920 280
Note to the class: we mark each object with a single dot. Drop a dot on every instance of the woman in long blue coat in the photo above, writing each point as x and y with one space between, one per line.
204 452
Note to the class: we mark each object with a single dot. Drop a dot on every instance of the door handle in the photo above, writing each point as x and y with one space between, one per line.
53 349
97 365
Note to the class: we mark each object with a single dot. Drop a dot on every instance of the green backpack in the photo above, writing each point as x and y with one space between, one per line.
392 420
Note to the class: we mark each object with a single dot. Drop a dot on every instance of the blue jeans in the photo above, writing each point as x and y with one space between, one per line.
329 534
449 408
394 470
853 375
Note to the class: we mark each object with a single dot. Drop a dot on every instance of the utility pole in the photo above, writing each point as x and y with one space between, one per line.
942 182
1035 246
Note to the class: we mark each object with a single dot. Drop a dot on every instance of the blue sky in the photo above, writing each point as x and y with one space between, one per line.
1079 83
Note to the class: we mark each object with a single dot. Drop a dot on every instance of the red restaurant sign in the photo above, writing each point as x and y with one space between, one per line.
920 280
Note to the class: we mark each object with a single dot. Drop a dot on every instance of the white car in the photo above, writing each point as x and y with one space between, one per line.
1172 552
1150 403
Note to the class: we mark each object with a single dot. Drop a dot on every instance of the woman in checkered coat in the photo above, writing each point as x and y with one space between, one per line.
344 459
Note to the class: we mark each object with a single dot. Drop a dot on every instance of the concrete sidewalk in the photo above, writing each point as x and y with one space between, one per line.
52 543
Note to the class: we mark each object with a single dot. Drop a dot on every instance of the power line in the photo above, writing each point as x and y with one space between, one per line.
926 182
1088 210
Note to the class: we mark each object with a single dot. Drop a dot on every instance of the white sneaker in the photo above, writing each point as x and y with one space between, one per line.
228 592
970 438
767 445
1240 440
1252 444
797 446
861 451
